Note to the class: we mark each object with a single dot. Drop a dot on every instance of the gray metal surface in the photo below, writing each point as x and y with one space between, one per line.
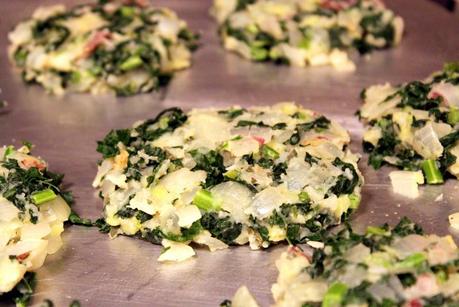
124 271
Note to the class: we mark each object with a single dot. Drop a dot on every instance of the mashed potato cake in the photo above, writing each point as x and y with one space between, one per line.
122 47
385 266
33 209
220 177
414 126
306 32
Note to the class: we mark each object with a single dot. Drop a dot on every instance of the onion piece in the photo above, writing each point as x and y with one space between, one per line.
12 272
406 182
235 198
427 143
58 207
381 291
35 231
175 251
54 244
243 298
206 238
357 253
409 245
270 199
8 210
451 286
187 215
183 180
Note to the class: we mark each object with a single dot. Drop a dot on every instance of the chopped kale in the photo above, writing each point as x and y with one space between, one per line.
451 67
249 159
166 121
20 56
232 113
249 123
157 155
221 228
439 115
363 94
406 227
212 164
446 160
414 94
226 303
293 233
108 147
295 138
278 170
156 235
102 225
121 18
50 34
75 303
344 184
126 212
190 38
276 219
418 123
407 279
438 300
311 159
75 219
142 216
284 217
450 140
279 126
262 230
236 33
265 162
318 124
21 181
335 34
386 144
186 234
374 25
324 264
317 265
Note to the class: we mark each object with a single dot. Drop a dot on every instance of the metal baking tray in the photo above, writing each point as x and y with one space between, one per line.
124 271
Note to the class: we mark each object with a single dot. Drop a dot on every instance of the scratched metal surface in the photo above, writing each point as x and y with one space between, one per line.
124 271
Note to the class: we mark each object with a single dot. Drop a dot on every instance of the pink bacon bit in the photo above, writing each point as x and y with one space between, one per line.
98 38
426 285
337 5
295 250
448 92
32 162
415 303
433 95
22 257
259 139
